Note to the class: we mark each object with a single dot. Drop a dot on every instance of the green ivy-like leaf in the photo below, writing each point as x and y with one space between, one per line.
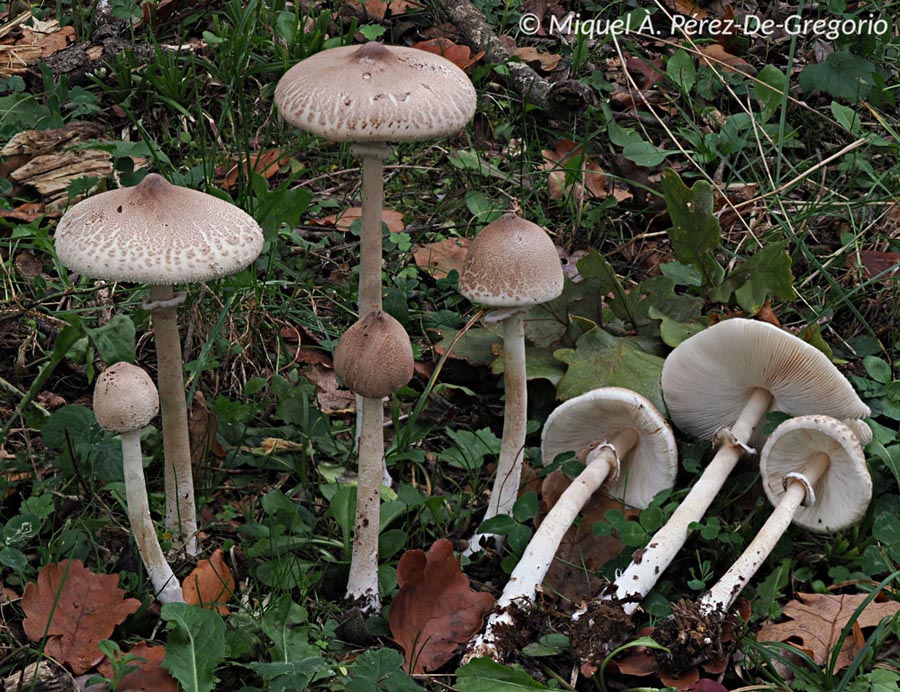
380 670
681 69
695 232
635 147
769 90
114 341
842 75
196 645
767 273
485 675
602 360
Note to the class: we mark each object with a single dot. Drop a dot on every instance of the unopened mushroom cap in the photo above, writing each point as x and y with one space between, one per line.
599 415
512 262
844 490
125 398
708 378
861 429
157 233
376 93
374 356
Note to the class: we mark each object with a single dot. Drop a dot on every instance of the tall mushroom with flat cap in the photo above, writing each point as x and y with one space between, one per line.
624 442
374 94
719 384
511 266
161 234
125 400
373 359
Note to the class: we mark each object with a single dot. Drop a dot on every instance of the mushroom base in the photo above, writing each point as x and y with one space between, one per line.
692 635
602 626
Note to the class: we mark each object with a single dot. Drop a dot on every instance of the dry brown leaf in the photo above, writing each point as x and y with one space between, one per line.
442 257
715 56
202 432
875 262
49 41
343 221
329 394
688 8
85 608
377 10
150 675
566 153
546 62
265 163
210 584
436 609
459 55
816 621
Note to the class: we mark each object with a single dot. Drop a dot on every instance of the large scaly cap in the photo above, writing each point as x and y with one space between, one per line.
157 233
376 93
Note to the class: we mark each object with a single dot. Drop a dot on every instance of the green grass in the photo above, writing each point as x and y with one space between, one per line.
812 168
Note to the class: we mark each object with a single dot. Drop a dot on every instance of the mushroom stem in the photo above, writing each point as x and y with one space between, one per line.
372 156
164 581
362 584
603 462
641 576
512 446
721 596
181 514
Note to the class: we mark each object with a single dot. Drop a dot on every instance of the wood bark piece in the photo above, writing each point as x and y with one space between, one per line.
566 95
41 677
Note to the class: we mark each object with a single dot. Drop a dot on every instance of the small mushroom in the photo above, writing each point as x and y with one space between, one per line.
511 266
125 400
373 359
814 473
624 442
719 384
161 234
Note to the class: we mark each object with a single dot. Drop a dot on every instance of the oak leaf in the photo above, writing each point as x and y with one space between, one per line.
76 609
150 675
461 56
210 584
440 258
816 621
436 609
343 221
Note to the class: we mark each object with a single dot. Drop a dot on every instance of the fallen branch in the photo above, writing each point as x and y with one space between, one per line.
565 95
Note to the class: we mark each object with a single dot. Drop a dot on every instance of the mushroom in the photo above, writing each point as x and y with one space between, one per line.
814 473
719 384
125 400
374 359
161 234
511 266
624 442
374 94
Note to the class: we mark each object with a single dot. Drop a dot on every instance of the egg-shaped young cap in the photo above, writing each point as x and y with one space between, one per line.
374 357
598 416
512 262
708 378
376 93
844 490
125 398
156 233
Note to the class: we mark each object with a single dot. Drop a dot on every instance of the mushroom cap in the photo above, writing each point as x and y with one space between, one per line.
599 415
376 93
842 493
374 357
861 429
157 233
707 379
511 263
125 398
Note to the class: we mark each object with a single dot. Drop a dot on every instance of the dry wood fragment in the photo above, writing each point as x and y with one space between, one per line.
566 95
40 677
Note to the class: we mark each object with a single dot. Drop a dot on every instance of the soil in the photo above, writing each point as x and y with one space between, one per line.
691 636
602 629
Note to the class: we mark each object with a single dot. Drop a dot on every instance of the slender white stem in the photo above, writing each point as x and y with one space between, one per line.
363 581
643 573
512 446
602 463
721 596
181 512
164 581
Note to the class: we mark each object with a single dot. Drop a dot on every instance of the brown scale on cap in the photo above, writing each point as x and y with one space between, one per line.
157 233
376 93
512 262
374 356
125 398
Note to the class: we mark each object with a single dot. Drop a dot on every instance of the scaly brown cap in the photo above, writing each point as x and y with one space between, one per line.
374 357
